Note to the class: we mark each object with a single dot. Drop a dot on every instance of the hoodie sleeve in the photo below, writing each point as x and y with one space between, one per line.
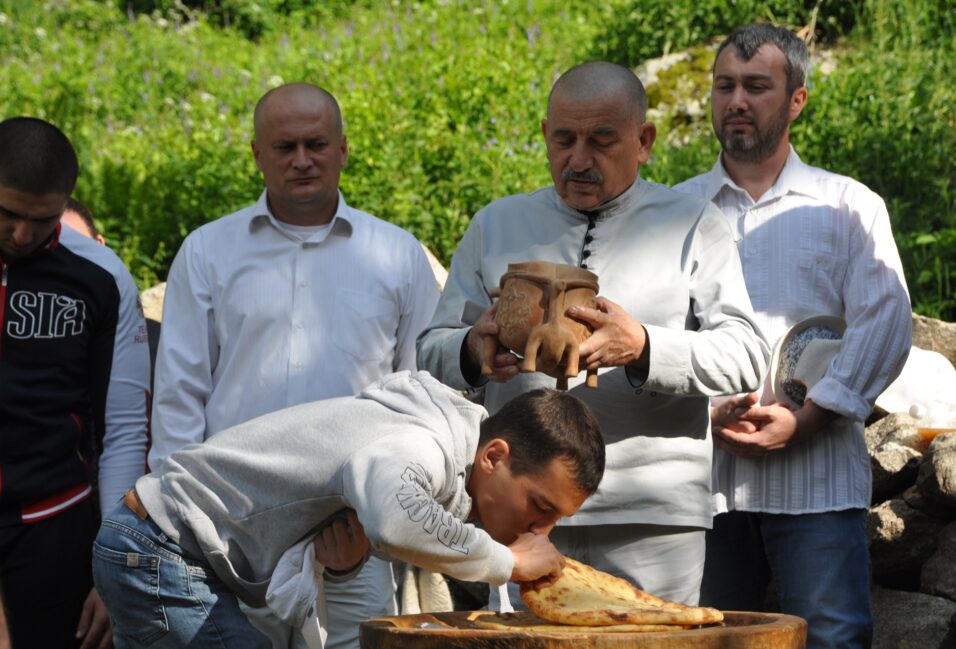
400 492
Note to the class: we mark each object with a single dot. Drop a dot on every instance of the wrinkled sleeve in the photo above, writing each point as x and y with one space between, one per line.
419 305
462 302
725 353
187 354
877 310
394 490
126 421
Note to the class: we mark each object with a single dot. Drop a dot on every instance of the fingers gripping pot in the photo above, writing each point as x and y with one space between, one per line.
533 297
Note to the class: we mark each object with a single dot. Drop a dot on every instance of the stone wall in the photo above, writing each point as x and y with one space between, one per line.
912 523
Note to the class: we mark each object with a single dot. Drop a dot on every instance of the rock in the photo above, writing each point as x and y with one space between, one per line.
441 275
912 620
894 468
152 299
936 479
939 571
894 447
935 335
898 427
914 499
901 539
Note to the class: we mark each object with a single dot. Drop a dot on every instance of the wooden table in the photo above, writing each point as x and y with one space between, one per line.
741 630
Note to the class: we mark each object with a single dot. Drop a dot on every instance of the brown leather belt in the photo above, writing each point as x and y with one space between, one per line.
135 505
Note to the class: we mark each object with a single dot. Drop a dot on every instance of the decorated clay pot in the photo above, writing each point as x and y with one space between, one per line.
533 298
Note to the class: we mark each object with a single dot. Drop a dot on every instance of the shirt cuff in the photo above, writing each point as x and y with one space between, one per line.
836 397
470 372
336 577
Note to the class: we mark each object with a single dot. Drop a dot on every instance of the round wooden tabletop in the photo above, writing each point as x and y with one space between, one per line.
741 630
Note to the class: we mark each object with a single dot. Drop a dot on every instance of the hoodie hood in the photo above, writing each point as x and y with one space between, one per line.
451 420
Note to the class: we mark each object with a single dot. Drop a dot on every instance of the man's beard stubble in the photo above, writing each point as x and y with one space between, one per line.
761 144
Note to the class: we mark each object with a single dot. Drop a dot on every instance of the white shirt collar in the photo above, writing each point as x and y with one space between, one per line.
343 221
796 177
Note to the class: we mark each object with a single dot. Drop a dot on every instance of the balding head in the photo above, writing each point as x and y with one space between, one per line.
601 80
300 149
299 93
596 134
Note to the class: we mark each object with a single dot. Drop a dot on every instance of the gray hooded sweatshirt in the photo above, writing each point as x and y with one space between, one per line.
399 454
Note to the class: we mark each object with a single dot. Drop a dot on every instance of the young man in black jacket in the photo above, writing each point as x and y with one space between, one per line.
74 381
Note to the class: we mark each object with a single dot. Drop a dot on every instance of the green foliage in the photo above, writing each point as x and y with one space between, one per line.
635 30
886 116
443 101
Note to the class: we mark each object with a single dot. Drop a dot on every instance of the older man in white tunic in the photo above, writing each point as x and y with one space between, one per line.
673 326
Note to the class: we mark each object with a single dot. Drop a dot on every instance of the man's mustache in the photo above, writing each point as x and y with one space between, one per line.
589 176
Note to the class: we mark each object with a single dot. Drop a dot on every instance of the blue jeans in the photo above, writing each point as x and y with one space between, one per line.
821 564
160 597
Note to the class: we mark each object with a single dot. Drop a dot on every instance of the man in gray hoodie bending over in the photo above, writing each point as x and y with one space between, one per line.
268 510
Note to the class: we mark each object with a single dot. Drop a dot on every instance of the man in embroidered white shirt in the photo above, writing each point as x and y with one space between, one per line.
296 298
794 485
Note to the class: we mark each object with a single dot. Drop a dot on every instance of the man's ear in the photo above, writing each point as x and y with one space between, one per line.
797 101
647 136
255 153
492 454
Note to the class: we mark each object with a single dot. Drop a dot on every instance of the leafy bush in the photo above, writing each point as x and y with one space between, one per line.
443 101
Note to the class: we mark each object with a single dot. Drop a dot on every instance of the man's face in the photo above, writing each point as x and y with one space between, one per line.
752 109
595 148
27 221
510 505
301 151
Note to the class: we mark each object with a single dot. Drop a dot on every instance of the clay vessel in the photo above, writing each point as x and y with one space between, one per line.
533 297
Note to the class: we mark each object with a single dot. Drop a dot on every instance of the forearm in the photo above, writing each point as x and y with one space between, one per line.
811 419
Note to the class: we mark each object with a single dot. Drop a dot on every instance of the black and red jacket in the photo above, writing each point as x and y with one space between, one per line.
74 378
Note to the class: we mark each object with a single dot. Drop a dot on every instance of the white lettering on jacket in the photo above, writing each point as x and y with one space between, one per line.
414 498
44 315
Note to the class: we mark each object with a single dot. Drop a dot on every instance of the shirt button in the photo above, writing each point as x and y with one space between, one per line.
297 365
299 325
301 284
639 391
586 254
653 394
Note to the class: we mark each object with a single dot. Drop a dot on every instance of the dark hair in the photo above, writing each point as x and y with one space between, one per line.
599 79
747 39
36 157
543 425
85 214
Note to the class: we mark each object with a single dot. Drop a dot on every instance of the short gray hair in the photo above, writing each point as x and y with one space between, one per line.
748 39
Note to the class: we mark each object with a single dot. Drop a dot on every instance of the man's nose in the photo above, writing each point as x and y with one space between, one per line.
24 233
544 525
739 100
581 158
301 159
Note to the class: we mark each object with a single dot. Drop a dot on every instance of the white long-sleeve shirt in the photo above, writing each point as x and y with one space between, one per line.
257 319
816 243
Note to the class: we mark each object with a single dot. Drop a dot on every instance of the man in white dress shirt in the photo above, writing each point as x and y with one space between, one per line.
795 484
296 298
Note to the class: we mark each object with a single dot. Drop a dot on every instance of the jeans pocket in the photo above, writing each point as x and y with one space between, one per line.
128 582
